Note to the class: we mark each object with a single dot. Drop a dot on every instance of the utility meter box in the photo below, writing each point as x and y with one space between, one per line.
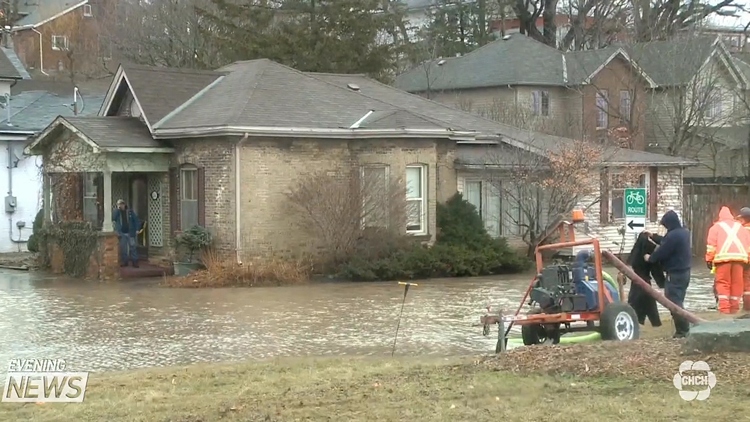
10 204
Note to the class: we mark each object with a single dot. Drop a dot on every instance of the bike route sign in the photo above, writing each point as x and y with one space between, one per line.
635 209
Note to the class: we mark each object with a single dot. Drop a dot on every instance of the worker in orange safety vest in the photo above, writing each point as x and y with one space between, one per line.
744 219
727 249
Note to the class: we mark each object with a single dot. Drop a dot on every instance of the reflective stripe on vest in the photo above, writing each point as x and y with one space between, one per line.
731 241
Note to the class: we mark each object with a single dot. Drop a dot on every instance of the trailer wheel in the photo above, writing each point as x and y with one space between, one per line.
533 334
619 322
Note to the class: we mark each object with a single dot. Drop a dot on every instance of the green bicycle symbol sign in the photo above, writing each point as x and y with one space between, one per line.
635 202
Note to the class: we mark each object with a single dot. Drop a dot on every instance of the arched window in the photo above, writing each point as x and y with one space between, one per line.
189 196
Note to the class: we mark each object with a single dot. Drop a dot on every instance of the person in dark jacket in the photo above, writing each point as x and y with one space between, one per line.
675 256
126 225
643 303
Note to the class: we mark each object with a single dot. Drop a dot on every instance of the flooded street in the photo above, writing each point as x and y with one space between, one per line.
112 326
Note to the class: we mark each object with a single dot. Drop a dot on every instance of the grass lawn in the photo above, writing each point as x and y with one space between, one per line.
603 381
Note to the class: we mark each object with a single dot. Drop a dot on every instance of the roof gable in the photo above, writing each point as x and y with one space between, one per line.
158 91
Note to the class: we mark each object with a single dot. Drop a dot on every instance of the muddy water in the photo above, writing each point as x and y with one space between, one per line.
100 327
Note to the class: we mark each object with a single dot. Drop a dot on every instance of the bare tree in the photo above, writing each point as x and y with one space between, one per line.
593 21
540 187
340 208
163 33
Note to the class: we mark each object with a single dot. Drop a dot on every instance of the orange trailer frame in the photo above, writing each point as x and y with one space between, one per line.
563 317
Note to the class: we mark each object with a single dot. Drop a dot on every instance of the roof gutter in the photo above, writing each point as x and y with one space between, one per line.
254 131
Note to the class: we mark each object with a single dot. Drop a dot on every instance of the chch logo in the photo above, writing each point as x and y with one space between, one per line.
703 382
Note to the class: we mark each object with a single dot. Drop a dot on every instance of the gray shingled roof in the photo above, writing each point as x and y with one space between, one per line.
11 66
38 11
455 118
161 90
521 60
265 94
115 132
32 111
673 62
518 60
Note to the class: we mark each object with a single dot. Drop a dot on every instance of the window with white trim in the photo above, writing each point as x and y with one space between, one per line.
540 103
87 12
618 182
715 103
473 194
375 195
59 42
602 110
416 199
188 197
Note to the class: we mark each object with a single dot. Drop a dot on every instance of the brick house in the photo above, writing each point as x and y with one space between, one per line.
223 148
52 36
525 83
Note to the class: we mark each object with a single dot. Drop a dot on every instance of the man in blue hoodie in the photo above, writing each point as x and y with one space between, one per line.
126 225
675 256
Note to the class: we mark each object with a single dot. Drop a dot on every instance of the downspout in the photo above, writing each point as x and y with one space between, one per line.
237 197
41 53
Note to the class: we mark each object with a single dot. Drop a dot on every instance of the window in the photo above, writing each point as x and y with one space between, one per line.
188 197
486 199
59 42
87 12
602 116
375 196
540 103
91 182
714 109
473 194
618 183
416 200
624 106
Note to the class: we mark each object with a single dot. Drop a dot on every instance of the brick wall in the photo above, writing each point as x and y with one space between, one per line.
271 168
216 157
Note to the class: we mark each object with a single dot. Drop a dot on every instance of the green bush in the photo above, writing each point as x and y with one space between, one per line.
33 244
463 248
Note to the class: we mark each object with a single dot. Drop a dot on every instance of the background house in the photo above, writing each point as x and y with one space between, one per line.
524 83
63 36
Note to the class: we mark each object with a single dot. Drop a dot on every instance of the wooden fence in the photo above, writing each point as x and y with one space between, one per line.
701 205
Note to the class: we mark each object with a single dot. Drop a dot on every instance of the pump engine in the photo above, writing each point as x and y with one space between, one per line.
556 292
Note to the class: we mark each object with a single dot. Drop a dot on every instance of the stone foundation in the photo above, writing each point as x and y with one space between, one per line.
104 263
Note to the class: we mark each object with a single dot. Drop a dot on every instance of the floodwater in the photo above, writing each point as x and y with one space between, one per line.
114 326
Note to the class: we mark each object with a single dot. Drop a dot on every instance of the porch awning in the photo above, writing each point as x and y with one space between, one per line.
106 134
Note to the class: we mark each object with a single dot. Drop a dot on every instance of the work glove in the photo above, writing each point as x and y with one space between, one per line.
709 265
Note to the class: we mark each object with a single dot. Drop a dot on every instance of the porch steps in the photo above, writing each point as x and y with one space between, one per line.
145 269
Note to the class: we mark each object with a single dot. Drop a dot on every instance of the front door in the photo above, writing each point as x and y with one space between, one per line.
139 204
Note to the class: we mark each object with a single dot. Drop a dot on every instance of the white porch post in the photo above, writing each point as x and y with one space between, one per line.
107 181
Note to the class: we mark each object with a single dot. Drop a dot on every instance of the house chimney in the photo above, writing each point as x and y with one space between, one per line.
7 41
